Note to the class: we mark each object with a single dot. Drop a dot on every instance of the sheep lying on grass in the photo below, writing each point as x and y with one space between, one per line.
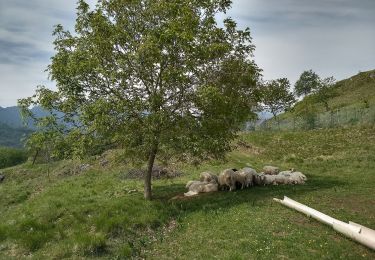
190 183
293 177
246 177
269 180
208 177
271 170
196 187
227 180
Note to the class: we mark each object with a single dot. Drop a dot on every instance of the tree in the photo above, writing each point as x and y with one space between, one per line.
324 91
307 83
277 96
159 78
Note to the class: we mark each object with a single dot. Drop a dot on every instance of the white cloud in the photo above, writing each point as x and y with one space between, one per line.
26 43
332 37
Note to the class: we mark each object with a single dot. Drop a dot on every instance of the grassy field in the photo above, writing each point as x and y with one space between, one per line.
59 212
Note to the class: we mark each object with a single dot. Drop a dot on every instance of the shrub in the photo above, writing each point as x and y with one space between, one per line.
11 157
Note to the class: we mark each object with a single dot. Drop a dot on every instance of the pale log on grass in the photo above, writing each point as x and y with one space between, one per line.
361 234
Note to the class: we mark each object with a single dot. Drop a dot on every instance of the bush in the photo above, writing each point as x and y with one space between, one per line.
11 157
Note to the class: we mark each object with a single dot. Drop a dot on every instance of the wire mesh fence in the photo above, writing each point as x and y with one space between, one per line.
335 118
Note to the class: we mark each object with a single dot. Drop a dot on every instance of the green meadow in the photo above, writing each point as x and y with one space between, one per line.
54 211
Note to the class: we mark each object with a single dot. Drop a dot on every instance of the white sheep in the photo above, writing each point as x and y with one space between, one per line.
271 170
281 179
227 179
192 183
294 177
245 177
259 179
270 179
196 187
208 177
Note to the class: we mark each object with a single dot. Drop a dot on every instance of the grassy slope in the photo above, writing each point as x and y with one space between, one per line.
352 92
93 214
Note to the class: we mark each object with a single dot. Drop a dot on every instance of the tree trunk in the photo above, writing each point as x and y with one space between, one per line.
35 156
326 105
150 165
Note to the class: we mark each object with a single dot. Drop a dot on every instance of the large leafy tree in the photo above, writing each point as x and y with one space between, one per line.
159 78
277 96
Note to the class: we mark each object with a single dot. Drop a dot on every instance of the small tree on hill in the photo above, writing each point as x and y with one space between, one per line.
307 83
277 96
324 91
156 77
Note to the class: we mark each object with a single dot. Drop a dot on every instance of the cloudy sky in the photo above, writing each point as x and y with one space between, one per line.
332 37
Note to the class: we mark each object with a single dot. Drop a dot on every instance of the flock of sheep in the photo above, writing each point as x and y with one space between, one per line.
244 178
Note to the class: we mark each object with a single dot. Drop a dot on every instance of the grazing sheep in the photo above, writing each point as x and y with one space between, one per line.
196 187
208 177
227 179
240 179
259 179
250 172
271 170
245 177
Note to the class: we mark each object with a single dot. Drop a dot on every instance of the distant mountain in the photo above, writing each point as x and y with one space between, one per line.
12 129
11 136
11 116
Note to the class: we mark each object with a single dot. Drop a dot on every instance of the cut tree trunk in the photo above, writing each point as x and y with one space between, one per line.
148 177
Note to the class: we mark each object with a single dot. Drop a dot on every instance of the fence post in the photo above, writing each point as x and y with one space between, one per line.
331 115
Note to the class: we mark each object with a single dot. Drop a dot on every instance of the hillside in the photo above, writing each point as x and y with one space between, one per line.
352 101
356 91
11 116
61 211
11 136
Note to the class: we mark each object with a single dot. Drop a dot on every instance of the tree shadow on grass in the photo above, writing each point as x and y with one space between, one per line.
173 194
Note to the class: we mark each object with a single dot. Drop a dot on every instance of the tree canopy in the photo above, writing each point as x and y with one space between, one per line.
307 83
311 83
277 96
324 91
159 78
